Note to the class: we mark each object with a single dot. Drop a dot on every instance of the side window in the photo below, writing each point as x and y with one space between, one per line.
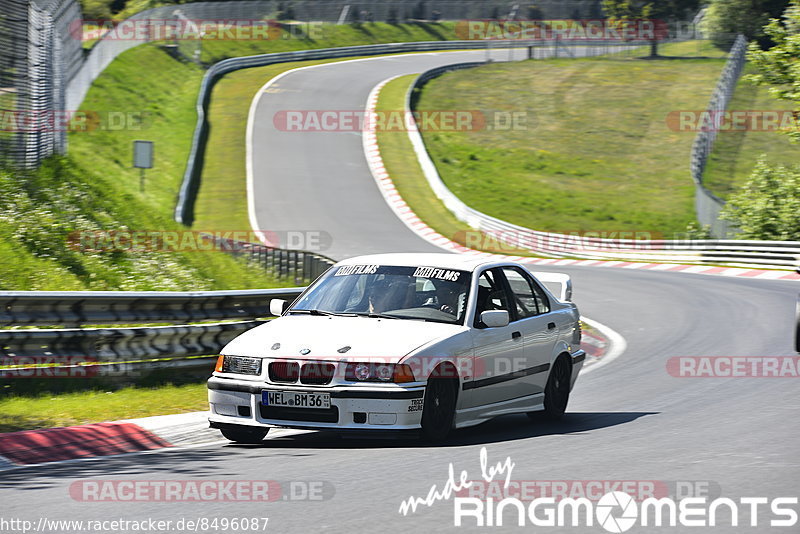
524 299
491 295
541 299
529 298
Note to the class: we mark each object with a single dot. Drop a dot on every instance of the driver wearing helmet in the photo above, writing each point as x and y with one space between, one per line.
448 296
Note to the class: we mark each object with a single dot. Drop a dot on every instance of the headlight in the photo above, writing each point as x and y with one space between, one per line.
379 372
241 365
384 372
361 371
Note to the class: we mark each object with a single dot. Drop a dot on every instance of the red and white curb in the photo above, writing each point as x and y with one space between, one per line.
31 448
84 442
59 444
404 212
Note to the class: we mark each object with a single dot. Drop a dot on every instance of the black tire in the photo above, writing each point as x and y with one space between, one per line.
797 328
439 409
556 391
244 434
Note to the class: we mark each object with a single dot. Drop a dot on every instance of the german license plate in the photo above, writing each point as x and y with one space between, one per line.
296 399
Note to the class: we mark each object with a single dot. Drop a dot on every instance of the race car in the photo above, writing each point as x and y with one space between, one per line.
417 342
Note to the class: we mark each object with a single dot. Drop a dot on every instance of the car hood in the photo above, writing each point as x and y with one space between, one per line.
367 337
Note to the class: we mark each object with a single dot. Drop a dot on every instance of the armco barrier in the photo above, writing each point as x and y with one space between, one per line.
301 266
111 350
778 254
78 308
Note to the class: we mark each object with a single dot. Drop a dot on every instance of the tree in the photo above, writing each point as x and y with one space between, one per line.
778 65
661 10
768 206
725 19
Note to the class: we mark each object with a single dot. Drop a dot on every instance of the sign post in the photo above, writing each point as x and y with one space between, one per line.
142 158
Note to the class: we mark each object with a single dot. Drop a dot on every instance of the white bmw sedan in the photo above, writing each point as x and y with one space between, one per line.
426 342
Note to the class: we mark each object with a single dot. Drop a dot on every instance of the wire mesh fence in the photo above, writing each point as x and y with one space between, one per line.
707 204
14 86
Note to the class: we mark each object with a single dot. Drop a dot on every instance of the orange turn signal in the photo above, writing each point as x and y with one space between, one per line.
220 361
403 373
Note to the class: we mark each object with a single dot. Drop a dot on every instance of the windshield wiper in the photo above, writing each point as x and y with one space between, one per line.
379 316
322 312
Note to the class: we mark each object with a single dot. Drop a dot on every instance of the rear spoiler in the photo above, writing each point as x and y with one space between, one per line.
559 278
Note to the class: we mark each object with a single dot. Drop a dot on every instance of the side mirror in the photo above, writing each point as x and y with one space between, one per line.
277 307
494 318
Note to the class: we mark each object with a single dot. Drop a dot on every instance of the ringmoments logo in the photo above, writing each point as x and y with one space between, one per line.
615 511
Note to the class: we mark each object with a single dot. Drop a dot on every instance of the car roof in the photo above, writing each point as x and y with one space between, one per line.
461 262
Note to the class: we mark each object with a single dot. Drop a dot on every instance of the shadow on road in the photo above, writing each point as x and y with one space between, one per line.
498 430
213 460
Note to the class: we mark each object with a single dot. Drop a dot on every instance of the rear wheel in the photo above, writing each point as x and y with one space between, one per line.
439 408
556 392
245 435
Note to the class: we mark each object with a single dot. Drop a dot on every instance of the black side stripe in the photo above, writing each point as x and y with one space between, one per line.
505 378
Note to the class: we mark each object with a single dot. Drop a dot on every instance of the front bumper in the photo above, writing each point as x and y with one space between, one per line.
387 407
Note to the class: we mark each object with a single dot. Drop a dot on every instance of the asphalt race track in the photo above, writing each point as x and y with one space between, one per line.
627 421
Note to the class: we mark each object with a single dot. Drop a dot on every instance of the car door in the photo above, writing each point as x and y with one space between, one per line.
537 325
499 351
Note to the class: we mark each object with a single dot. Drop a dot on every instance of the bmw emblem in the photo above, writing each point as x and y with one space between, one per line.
304 351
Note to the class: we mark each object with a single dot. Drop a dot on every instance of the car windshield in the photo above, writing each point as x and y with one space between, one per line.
395 292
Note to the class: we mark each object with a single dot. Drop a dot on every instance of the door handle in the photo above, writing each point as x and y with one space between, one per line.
550 326
515 335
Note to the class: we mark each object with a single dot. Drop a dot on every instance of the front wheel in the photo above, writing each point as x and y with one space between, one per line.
438 409
244 434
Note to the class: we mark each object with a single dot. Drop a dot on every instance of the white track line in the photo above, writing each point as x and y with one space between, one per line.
617 345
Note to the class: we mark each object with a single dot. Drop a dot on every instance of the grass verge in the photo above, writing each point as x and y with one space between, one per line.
95 189
402 165
147 94
78 408
594 153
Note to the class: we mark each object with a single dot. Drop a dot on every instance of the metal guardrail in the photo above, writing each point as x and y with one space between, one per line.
777 254
77 308
122 350
303 267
